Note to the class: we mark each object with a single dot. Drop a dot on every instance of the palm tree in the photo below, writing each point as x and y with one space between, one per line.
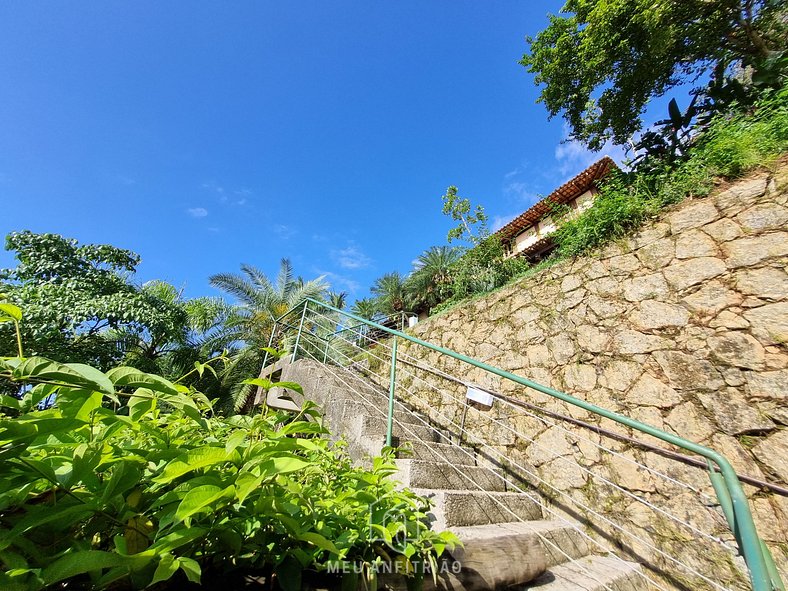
338 300
390 292
249 323
430 282
367 308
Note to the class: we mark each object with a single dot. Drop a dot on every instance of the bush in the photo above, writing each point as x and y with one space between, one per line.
125 480
729 147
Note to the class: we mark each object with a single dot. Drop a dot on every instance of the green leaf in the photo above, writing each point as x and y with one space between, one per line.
41 369
10 402
85 561
195 459
177 539
167 567
191 568
289 386
262 382
96 377
43 515
235 440
200 498
320 541
133 378
11 311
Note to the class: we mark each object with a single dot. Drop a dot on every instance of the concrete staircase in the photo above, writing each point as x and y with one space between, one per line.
508 543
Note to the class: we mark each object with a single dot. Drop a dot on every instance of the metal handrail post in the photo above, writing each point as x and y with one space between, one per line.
744 526
300 328
325 351
392 385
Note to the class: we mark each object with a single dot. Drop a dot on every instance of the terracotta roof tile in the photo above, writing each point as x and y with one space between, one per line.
563 194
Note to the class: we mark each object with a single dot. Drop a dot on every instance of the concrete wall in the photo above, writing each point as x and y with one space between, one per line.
683 326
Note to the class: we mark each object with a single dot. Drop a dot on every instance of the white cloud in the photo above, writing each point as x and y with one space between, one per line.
500 221
341 282
520 191
197 212
350 257
573 157
284 232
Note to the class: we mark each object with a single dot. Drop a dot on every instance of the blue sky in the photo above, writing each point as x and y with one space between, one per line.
203 135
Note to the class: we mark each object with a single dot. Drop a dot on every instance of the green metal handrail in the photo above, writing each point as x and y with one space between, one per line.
763 573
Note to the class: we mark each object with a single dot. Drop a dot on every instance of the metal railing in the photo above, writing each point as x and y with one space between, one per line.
322 322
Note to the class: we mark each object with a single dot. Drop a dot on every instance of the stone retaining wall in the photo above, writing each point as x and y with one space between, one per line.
683 326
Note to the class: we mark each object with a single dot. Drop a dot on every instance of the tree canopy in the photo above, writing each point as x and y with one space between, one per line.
602 60
75 295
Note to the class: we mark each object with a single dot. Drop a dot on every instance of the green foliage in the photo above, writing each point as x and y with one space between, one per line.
247 326
430 283
82 307
730 147
459 209
603 60
481 269
390 293
124 479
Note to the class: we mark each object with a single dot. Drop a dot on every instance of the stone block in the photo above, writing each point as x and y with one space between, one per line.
733 414
768 282
772 452
683 274
693 215
657 254
687 372
651 233
620 374
747 252
631 342
653 314
685 421
723 230
623 264
562 348
762 217
605 308
729 320
737 349
649 391
741 195
571 282
769 323
592 339
694 243
768 385
604 286
579 377
711 298
645 287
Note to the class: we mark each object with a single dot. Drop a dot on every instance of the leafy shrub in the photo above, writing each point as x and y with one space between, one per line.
124 479
730 146
480 270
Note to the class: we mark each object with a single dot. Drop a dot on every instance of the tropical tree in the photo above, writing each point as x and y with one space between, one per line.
605 59
75 296
390 292
366 308
473 221
248 324
338 300
430 282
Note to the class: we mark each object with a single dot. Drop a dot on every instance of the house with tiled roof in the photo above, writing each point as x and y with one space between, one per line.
529 234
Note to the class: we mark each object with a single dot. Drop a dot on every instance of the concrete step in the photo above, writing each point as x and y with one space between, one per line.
438 452
591 573
354 408
452 508
561 540
441 475
369 426
483 562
